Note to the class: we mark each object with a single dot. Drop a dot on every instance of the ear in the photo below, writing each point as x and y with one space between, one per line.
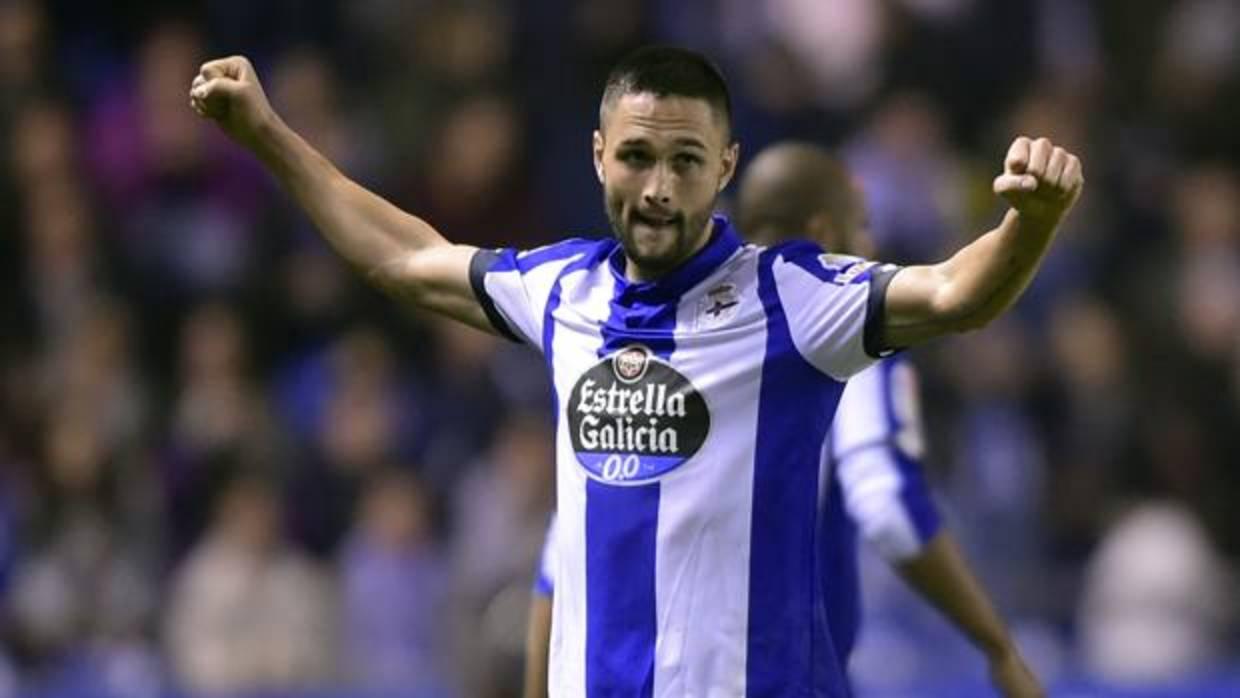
731 155
598 155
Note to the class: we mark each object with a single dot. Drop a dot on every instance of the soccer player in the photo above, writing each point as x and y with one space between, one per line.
694 377
872 482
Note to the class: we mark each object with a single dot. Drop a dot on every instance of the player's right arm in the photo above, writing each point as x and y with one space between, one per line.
537 646
399 252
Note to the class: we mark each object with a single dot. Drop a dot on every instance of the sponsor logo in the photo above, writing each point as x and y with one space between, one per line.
633 418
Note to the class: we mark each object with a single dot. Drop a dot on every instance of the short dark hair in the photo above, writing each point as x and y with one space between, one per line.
667 71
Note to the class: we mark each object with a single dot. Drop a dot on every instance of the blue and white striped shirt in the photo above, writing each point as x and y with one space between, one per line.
691 413
872 485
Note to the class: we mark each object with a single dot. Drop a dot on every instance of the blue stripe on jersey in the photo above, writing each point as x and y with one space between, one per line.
621 526
622 521
841 580
789 647
914 491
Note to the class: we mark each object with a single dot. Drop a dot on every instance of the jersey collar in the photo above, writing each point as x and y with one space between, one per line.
724 241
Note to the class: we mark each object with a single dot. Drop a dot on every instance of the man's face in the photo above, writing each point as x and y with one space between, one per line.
662 162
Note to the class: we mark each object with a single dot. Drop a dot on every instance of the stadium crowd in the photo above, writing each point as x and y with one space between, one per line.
228 465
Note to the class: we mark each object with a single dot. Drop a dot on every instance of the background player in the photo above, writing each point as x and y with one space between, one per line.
874 482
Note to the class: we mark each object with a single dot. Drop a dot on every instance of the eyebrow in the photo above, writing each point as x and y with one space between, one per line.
683 142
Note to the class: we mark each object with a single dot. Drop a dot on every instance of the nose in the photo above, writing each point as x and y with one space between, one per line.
658 187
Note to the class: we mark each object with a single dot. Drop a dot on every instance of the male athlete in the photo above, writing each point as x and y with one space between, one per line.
694 377
872 482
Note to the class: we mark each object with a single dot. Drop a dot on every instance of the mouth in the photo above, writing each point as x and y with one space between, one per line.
655 220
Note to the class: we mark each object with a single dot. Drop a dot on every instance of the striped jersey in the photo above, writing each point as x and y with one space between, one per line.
690 417
871 484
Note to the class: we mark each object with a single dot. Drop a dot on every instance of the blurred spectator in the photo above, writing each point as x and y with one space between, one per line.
1196 74
353 410
23 52
910 179
305 89
247 610
1088 442
1207 219
839 42
999 470
66 271
1156 605
474 192
395 585
93 367
219 421
187 206
500 520
502 506
460 430
44 147
84 590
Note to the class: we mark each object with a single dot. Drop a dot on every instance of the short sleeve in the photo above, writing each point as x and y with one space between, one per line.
876 446
513 287
544 581
834 306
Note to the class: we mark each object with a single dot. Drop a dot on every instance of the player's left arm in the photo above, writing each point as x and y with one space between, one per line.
877 443
939 573
1040 182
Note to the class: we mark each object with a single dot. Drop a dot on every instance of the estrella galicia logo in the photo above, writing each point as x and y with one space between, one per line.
634 418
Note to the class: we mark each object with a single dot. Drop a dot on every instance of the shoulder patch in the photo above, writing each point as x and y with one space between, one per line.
845 269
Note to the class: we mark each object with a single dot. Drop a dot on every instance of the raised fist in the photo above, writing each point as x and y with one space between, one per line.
228 92
1040 180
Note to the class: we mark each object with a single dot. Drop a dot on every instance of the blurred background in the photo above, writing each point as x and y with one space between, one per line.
229 468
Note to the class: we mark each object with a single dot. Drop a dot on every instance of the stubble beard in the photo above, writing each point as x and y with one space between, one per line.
689 236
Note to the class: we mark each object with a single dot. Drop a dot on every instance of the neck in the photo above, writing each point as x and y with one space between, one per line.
639 274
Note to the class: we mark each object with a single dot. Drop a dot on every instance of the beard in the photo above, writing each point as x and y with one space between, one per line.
661 248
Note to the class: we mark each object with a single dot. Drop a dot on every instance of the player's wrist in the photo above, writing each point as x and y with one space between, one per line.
1000 651
269 138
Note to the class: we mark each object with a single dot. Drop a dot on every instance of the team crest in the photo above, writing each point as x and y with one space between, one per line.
630 364
718 306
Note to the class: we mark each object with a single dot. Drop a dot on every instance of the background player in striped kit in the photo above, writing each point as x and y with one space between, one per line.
873 485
